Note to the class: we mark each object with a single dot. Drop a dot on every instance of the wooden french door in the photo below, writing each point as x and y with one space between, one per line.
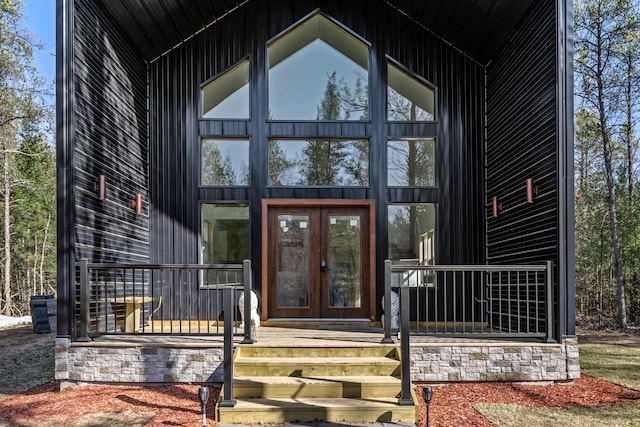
318 262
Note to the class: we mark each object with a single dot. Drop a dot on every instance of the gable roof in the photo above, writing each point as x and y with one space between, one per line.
475 27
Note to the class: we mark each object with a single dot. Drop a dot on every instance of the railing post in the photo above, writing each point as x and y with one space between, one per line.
84 301
549 310
249 331
405 350
227 401
387 303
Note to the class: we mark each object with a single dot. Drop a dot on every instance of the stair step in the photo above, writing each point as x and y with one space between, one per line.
318 386
305 384
280 410
361 351
316 366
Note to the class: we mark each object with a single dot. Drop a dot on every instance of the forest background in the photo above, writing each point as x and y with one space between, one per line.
607 122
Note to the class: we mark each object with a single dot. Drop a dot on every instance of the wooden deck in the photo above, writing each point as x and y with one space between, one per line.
296 335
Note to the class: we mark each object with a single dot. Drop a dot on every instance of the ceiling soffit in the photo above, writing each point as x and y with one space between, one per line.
475 27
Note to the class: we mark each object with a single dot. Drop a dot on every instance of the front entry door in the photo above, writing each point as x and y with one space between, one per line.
318 262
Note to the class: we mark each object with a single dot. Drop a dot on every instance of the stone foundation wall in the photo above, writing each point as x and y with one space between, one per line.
496 362
99 363
137 364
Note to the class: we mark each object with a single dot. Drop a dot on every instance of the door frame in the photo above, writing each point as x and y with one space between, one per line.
318 203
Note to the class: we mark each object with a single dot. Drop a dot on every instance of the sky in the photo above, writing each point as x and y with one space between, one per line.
39 18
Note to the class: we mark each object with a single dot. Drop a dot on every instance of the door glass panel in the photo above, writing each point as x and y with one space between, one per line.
344 261
293 260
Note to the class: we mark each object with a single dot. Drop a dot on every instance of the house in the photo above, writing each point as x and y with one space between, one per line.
316 139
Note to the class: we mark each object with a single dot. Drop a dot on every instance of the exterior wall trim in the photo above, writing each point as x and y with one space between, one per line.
65 122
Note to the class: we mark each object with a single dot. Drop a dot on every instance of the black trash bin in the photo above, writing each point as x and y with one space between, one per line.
40 313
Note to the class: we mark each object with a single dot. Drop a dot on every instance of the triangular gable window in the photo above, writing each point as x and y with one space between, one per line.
227 96
409 99
318 71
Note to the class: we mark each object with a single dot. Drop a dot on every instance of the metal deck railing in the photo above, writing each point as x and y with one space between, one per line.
455 300
157 299
466 301
501 301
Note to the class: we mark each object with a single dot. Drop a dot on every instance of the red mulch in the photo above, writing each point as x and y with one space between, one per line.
452 405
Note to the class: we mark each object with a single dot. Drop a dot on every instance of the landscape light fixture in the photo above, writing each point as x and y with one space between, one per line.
427 395
203 394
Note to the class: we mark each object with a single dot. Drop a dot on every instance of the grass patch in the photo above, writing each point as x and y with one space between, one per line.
614 363
518 416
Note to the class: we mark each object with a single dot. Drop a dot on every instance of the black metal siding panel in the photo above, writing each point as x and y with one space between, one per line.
110 138
174 85
175 130
458 132
521 143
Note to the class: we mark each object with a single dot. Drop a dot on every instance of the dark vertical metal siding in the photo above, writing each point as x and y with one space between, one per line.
458 132
174 85
110 138
522 143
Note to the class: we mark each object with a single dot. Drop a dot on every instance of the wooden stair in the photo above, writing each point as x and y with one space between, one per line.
332 384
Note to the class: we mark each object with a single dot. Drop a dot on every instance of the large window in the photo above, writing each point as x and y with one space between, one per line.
408 98
224 162
227 96
412 233
225 233
318 162
224 240
411 163
318 71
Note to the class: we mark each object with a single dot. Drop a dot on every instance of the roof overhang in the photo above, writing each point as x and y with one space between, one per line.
476 27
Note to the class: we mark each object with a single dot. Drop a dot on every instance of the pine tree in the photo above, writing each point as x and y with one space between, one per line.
20 103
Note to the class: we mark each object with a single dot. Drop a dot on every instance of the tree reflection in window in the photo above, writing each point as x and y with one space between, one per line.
406 224
411 163
224 162
301 58
318 162
408 98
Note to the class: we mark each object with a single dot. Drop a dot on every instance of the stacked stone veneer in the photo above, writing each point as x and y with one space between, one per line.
495 362
149 363
181 363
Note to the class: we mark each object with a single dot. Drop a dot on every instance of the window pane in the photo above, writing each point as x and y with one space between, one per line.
411 163
293 249
225 240
318 71
227 97
224 162
408 99
325 162
344 258
225 233
412 234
